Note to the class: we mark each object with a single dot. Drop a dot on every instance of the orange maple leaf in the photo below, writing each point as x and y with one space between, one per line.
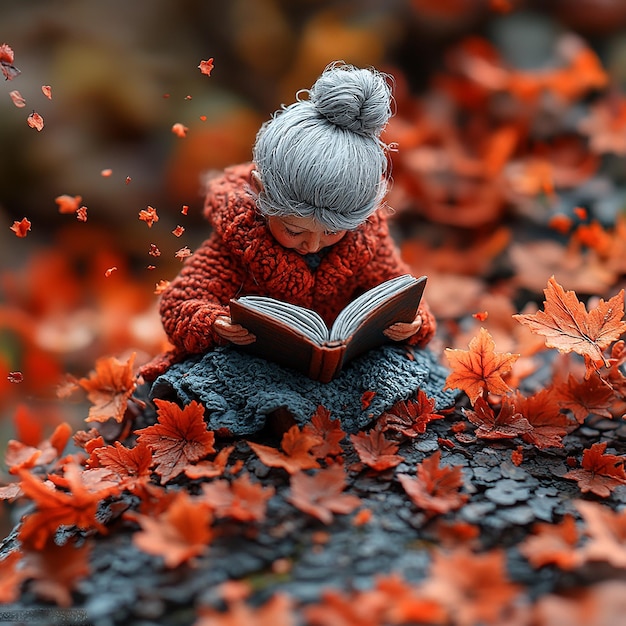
480 369
179 533
553 544
277 611
568 327
542 411
435 489
12 575
210 468
474 588
320 495
179 437
410 417
508 423
375 450
56 570
297 451
130 465
590 396
75 507
206 67
109 388
606 532
22 227
241 499
21 456
600 472
329 431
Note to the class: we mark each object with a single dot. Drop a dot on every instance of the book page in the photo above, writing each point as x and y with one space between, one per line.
352 316
308 322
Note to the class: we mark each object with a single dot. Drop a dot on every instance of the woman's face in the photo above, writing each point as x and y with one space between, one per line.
302 234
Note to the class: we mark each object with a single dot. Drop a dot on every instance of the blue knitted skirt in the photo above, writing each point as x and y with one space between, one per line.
239 391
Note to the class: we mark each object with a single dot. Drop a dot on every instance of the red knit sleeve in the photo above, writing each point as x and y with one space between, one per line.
198 295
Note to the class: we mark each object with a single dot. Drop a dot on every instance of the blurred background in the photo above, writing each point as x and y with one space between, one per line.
510 129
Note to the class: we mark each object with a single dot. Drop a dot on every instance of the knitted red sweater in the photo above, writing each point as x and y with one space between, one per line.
241 257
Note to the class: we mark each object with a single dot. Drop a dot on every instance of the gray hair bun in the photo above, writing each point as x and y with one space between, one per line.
358 100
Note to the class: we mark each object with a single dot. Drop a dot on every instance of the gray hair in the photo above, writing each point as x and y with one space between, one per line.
322 157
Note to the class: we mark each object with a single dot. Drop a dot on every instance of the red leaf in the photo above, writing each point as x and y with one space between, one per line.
109 388
480 369
179 438
548 424
553 544
54 508
329 431
149 216
12 575
592 396
34 120
568 327
9 71
410 417
68 204
297 451
210 469
179 130
375 450
130 465
605 530
435 489
241 499
22 227
506 425
600 472
206 67
320 494
179 533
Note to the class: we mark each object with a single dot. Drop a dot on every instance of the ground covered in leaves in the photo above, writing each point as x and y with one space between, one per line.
509 193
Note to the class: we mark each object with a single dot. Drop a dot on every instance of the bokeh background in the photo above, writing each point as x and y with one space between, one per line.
510 128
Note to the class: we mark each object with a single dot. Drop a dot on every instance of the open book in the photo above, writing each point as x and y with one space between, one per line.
296 337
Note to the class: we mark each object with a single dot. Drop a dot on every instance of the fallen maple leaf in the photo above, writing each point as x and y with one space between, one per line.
590 396
600 472
20 456
241 499
568 327
56 570
210 468
480 369
410 417
606 533
277 611
179 533
553 544
474 588
12 575
435 489
375 450
130 465
297 451
508 423
179 437
320 494
542 411
76 507
329 431
109 388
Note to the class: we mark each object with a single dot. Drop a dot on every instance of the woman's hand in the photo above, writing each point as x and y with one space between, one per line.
403 330
234 333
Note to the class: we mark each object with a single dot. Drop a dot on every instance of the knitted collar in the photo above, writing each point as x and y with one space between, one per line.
231 209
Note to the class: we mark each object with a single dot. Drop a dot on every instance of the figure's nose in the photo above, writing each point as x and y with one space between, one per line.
313 242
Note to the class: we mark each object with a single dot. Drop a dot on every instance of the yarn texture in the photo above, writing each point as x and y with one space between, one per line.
241 257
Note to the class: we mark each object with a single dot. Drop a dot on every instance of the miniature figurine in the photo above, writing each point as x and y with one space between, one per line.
304 222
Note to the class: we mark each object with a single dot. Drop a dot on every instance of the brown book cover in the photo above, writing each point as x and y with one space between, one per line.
296 337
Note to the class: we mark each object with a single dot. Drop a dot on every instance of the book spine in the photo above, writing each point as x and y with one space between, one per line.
331 363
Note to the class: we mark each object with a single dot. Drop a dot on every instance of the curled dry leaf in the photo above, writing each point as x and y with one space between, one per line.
34 120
